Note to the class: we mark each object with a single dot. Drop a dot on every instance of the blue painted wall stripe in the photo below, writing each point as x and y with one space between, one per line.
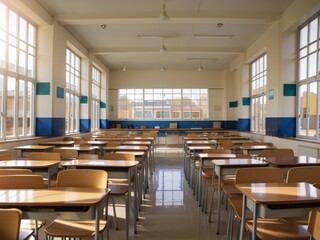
50 127
85 125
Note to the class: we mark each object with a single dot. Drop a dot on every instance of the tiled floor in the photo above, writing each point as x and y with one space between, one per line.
170 211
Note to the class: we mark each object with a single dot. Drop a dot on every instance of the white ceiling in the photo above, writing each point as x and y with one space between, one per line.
118 45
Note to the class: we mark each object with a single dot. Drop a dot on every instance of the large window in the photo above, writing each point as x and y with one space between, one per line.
17 75
95 107
73 75
163 103
258 75
308 79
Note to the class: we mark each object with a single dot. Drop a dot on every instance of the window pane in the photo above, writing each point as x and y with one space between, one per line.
313 29
10 105
304 37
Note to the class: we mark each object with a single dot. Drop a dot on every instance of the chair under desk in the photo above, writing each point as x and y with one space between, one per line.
47 203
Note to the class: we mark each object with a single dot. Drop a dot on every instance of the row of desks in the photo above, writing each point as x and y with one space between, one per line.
55 202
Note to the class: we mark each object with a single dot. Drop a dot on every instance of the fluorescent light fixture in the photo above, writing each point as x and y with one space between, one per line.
162 68
124 68
212 36
164 15
149 36
202 59
200 68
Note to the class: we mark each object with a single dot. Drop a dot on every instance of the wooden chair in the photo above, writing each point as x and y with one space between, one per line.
45 156
67 138
10 220
24 182
310 174
314 223
207 176
266 228
15 171
5 156
88 156
279 152
66 154
78 178
113 143
120 187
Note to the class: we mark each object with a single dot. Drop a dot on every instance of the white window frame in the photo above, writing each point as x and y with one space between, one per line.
308 80
73 80
95 98
258 94
17 65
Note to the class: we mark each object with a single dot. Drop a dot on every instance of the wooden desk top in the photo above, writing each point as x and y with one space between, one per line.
281 193
80 149
138 143
52 197
34 147
201 147
196 138
100 163
257 147
237 162
28 163
58 143
100 143
135 153
126 148
292 161
216 155
200 142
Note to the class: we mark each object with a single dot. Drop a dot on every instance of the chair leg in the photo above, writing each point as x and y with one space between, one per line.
211 204
114 213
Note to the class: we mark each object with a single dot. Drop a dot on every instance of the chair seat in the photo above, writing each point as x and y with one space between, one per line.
73 228
230 189
207 172
118 189
118 181
268 229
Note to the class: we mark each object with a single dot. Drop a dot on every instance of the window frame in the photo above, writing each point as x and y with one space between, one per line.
18 34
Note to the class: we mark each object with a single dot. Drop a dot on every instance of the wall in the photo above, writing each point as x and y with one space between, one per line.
213 80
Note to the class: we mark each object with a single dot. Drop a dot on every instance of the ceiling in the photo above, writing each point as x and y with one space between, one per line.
120 43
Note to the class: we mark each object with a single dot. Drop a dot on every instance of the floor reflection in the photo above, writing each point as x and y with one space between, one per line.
169 191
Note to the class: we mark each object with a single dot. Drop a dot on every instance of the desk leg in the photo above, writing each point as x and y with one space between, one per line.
244 205
254 224
96 236
219 201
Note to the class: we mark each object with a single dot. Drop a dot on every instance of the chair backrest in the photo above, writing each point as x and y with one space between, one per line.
279 152
119 156
317 185
259 175
88 156
113 143
10 220
310 174
5 156
45 156
15 171
66 153
21 182
67 138
82 178
314 223
217 150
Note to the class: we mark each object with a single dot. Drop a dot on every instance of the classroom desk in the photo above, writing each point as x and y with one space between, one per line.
49 166
192 151
277 200
99 144
34 148
47 203
81 149
58 143
229 167
255 148
296 161
116 168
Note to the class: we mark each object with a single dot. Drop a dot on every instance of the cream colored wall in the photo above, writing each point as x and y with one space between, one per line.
213 80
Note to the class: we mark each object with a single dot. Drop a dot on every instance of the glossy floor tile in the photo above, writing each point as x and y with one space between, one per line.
170 210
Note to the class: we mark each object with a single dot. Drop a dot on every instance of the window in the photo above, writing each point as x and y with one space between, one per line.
308 79
95 107
258 75
163 103
73 73
17 75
